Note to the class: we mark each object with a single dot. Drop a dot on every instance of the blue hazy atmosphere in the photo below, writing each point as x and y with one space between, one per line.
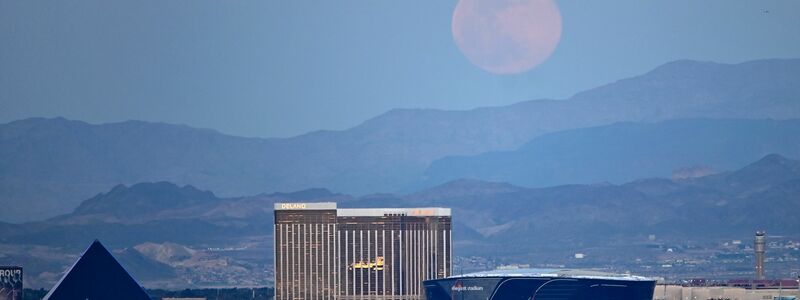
642 137
272 68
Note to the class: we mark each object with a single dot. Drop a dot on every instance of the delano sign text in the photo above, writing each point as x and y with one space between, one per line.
293 206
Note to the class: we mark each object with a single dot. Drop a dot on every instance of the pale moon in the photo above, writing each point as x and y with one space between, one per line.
506 36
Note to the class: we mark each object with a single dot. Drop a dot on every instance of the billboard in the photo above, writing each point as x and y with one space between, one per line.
10 283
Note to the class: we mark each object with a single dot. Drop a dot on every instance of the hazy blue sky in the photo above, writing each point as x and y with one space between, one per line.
280 68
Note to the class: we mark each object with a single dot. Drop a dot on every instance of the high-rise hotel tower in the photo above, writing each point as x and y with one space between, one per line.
322 252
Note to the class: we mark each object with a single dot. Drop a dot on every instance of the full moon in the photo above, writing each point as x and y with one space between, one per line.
506 36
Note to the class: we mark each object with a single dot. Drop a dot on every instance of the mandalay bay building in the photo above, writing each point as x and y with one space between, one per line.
325 252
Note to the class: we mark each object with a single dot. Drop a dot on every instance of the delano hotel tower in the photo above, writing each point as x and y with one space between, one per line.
322 252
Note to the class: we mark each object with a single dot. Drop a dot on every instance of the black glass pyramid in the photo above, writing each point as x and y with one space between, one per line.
97 275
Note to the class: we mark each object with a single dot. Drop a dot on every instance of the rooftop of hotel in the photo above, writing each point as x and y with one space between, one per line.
365 212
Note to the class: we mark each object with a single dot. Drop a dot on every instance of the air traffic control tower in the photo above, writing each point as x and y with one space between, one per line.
760 246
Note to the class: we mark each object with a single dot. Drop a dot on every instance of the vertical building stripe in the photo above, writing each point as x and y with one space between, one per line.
346 265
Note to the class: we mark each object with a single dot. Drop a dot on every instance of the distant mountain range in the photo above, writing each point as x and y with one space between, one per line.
160 212
763 194
167 233
47 166
624 152
167 236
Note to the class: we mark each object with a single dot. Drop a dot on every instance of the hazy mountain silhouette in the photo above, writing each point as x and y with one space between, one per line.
159 212
491 219
47 166
760 195
144 199
626 151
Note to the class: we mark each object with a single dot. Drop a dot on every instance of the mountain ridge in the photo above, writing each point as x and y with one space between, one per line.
60 165
625 151
492 220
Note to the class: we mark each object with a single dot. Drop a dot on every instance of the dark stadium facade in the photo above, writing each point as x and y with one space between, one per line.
540 284
325 252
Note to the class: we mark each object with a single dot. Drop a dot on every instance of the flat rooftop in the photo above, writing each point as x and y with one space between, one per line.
554 273
365 212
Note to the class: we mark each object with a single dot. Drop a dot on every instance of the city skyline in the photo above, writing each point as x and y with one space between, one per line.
388 150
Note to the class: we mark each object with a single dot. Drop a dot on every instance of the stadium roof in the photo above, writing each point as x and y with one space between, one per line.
560 273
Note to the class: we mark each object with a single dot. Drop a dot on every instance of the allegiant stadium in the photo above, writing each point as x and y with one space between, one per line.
541 284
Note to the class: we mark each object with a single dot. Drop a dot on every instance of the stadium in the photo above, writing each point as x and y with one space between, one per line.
541 284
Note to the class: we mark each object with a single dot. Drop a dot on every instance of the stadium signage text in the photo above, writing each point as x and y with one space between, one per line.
459 288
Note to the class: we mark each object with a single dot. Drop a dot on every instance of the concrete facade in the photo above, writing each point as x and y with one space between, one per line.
676 292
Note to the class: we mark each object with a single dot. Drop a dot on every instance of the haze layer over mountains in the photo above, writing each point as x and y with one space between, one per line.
177 237
684 115
691 151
